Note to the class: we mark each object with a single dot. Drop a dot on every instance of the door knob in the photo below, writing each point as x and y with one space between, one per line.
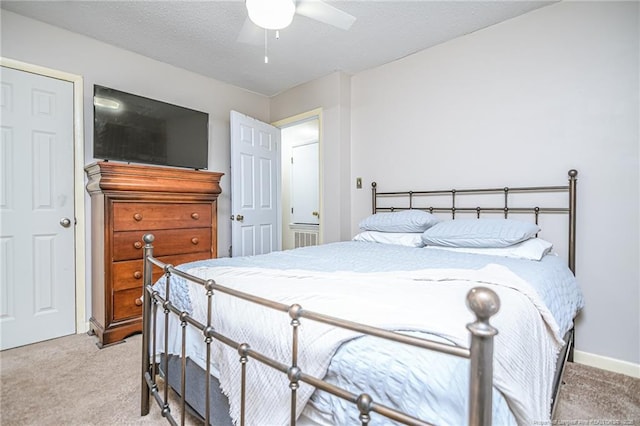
65 222
239 217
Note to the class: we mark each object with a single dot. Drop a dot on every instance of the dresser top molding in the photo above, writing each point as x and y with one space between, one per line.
109 176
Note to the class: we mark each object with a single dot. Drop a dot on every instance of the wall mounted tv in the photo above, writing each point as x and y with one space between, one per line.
136 129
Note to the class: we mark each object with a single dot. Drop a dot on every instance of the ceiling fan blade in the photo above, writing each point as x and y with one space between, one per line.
323 12
250 33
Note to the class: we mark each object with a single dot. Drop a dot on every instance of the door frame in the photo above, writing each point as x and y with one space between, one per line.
290 121
78 178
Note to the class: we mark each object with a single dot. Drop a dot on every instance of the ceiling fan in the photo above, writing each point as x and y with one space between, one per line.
278 14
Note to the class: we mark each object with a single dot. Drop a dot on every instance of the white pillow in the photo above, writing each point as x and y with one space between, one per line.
400 221
479 233
409 239
531 249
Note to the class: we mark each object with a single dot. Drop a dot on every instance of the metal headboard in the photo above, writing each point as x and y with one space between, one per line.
408 200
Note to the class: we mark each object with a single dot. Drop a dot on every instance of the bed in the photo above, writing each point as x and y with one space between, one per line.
376 330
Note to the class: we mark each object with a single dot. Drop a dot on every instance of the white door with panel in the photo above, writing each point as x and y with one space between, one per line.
37 265
255 186
305 194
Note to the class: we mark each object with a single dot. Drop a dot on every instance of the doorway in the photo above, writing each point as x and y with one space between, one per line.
301 219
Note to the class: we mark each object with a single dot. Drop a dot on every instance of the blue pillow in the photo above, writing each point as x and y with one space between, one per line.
479 233
401 221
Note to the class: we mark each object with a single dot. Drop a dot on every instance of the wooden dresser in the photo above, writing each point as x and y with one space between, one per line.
178 206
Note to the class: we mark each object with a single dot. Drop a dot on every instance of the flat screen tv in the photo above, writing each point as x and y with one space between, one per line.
136 129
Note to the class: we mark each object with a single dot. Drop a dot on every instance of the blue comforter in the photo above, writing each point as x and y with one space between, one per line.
551 277
399 385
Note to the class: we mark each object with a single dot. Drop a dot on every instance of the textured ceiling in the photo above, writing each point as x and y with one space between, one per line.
202 36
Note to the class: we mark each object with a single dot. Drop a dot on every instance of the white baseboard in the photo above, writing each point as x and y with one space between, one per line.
606 363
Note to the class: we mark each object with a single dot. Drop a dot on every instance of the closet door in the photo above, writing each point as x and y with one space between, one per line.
37 225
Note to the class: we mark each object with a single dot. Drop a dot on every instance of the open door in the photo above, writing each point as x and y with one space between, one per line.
255 186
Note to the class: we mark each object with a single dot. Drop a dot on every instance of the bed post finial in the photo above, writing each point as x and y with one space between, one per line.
484 303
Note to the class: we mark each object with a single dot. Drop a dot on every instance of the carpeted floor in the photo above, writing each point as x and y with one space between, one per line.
597 397
69 381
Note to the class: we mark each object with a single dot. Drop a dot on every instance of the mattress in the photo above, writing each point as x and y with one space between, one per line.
411 376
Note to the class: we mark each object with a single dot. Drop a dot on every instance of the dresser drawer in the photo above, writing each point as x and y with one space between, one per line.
152 216
127 304
128 273
129 245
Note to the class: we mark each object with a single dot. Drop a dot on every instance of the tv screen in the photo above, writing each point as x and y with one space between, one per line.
136 129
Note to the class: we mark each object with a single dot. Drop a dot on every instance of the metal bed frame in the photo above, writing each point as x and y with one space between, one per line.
482 301
456 194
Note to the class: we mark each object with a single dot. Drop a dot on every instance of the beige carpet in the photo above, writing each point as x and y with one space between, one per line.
598 397
69 381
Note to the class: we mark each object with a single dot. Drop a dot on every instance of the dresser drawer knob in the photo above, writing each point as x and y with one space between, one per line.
195 240
139 301
137 275
137 217
137 245
195 216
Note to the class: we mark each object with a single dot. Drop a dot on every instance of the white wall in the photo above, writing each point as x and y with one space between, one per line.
521 103
34 42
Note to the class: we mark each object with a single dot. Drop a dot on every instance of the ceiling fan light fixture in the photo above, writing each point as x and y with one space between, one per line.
271 14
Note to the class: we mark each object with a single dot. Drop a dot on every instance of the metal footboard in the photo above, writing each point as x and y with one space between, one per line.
482 301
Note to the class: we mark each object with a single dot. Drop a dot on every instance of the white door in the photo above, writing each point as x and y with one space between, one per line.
37 271
255 186
305 184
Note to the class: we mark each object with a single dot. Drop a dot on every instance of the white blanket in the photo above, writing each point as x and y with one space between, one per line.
428 300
